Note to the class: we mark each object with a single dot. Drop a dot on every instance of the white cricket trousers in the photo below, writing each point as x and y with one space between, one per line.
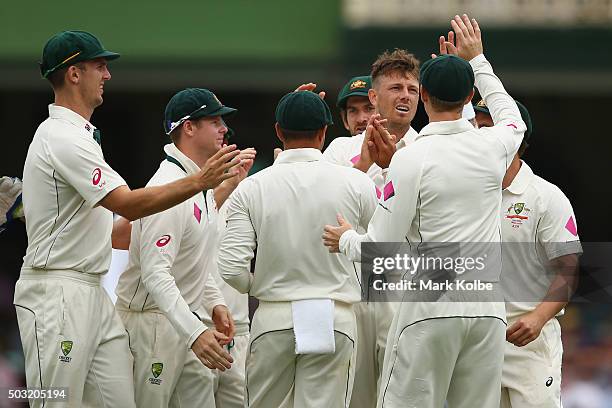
72 337
373 322
277 377
229 385
457 359
167 372
531 376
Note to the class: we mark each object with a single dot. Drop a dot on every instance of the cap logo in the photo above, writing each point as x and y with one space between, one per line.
358 84
481 104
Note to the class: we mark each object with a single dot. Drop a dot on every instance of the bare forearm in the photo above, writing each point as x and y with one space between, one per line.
562 287
135 204
223 191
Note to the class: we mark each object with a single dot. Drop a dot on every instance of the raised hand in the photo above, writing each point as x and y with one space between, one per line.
310 87
221 166
468 39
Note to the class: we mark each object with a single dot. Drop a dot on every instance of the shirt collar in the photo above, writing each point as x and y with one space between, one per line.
446 127
188 164
299 155
521 180
408 138
61 112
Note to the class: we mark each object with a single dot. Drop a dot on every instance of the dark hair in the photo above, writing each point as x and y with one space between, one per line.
444 106
299 134
57 78
397 60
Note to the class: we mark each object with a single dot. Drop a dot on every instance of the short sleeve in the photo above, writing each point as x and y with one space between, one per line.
81 164
558 230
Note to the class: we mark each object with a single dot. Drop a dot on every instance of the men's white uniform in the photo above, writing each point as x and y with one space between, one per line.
282 210
164 284
538 225
70 332
373 319
446 188
229 384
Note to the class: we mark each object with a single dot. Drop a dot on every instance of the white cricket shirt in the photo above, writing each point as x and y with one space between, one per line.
538 224
282 210
64 177
169 252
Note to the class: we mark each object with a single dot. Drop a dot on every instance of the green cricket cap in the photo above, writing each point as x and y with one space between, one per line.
447 77
481 106
357 86
192 103
303 110
69 47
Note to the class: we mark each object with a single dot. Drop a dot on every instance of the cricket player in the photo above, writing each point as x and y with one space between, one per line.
446 188
11 207
71 335
303 332
395 96
168 275
540 233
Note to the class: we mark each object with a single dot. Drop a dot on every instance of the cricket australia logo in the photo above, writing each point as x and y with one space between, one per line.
517 213
66 347
156 370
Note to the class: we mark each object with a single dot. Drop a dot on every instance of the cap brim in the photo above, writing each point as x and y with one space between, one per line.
223 111
342 102
109 55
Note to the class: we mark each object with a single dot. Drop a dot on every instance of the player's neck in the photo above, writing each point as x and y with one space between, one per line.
398 130
74 103
443 116
311 143
512 171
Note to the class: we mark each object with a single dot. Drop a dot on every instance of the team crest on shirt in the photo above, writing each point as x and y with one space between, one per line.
156 370
517 213
66 347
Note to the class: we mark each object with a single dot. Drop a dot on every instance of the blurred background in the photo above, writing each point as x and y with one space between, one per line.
553 55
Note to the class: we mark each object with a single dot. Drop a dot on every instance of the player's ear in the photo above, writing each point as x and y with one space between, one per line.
372 96
72 74
321 136
469 98
188 127
279 132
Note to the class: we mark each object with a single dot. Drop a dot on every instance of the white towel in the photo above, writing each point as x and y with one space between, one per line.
313 325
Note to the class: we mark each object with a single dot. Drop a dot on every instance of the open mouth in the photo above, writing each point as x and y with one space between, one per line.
360 128
402 108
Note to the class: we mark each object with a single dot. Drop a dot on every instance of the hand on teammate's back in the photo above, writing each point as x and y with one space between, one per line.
331 235
221 166
209 351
